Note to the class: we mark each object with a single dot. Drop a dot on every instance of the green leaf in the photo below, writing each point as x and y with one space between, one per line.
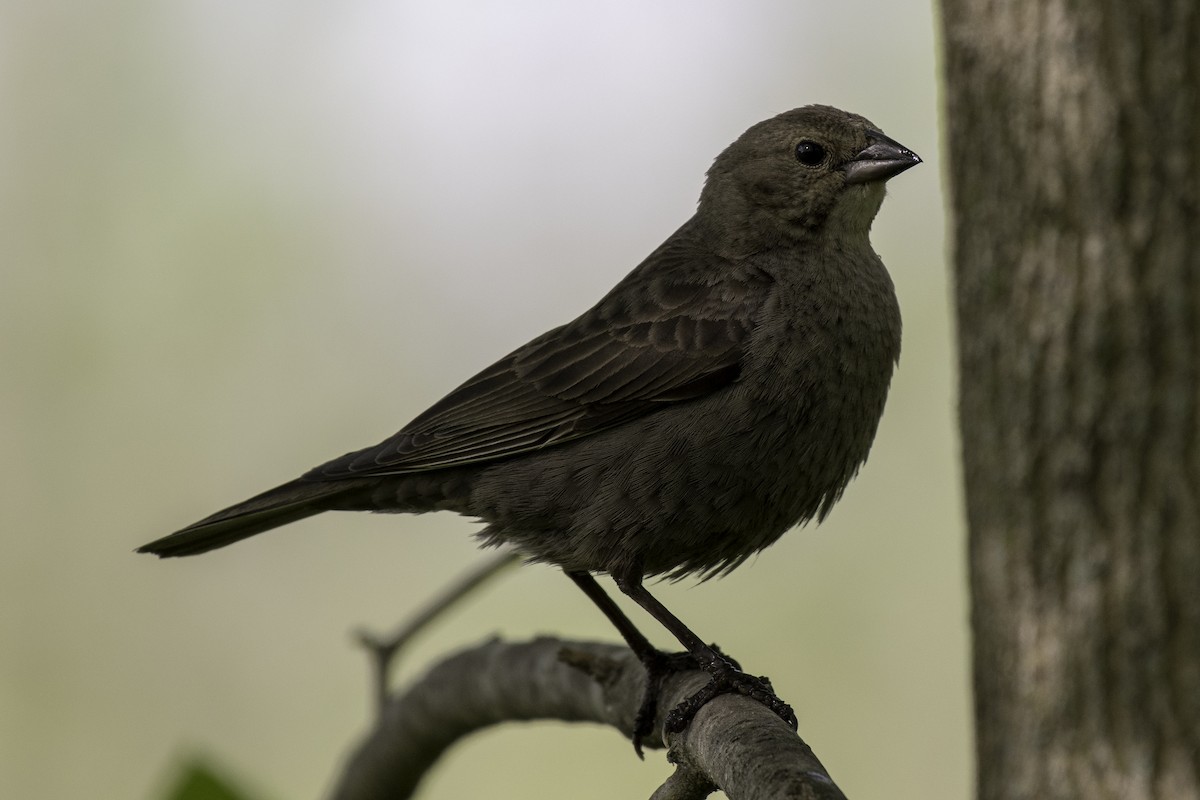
199 781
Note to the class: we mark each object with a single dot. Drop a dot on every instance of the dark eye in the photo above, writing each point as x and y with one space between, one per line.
809 153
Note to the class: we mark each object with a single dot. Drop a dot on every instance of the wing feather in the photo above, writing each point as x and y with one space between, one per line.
674 330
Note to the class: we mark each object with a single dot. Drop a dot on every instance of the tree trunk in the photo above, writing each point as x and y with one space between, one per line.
1074 164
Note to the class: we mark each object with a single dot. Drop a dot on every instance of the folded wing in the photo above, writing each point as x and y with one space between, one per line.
669 333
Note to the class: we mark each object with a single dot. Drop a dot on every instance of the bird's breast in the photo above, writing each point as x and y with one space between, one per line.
825 350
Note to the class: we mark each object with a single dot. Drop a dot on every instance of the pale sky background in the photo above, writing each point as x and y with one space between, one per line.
237 239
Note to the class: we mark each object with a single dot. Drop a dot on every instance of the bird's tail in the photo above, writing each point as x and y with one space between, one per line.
283 504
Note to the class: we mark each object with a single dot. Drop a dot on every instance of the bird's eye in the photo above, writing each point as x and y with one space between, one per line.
809 153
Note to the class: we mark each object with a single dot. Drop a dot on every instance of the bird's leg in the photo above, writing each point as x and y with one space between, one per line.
657 663
727 677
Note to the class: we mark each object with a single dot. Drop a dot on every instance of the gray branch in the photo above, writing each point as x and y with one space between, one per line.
734 744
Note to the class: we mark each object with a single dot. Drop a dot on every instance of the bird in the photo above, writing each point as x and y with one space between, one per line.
725 391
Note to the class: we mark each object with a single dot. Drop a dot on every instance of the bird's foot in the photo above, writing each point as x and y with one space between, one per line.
659 666
728 678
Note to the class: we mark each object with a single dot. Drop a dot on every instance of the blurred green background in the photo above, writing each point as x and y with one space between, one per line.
242 238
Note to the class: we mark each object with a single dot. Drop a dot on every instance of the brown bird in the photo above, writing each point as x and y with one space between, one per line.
723 392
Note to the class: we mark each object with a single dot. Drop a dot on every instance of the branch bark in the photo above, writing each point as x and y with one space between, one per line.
734 744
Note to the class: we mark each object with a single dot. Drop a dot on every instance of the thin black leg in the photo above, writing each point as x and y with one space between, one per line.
704 653
727 677
637 642
658 664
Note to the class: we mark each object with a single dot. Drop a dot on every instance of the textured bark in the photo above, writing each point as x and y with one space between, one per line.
1074 163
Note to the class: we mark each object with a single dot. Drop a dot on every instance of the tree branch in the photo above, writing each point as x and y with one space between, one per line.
385 648
734 744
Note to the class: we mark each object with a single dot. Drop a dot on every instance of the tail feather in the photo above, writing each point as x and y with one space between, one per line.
279 506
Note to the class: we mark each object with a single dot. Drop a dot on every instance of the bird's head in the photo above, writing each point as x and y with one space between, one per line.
810 172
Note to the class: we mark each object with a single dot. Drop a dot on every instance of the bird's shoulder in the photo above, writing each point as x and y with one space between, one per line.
685 309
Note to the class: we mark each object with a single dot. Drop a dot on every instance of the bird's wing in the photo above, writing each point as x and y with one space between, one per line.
673 330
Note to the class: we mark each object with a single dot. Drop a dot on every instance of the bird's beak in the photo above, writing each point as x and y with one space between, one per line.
883 158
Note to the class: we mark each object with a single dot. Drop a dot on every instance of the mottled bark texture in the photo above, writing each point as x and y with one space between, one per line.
1074 164
734 743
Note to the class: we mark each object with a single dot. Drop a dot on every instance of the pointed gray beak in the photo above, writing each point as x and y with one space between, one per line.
883 158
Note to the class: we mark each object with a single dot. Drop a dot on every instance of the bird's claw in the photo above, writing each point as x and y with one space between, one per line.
658 668
728 679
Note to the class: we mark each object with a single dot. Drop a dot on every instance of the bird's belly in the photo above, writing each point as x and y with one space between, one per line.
694 488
